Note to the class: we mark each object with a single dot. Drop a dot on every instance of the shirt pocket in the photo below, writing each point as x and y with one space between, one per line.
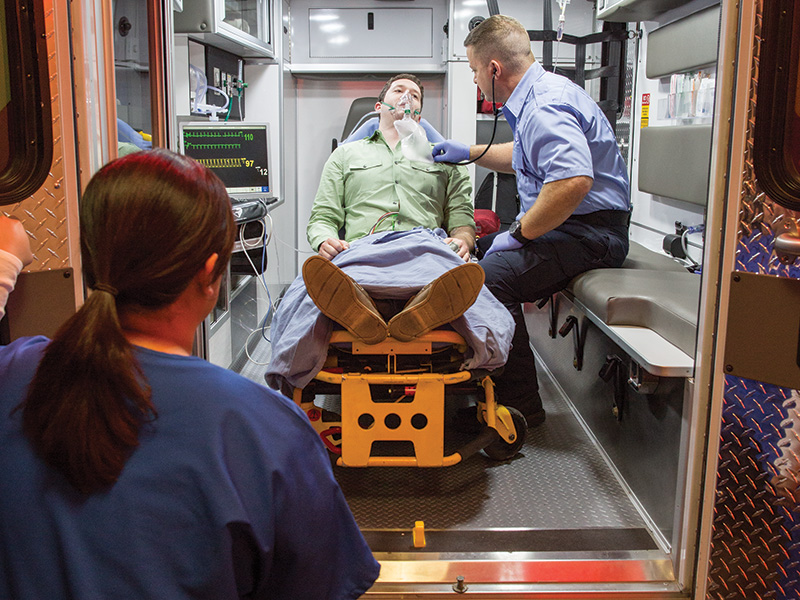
434 168
430 180
364 176
364 164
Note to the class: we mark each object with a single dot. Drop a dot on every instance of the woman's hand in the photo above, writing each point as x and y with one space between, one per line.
15 240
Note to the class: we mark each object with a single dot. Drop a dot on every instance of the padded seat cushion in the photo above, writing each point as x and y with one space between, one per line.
664 301
640 257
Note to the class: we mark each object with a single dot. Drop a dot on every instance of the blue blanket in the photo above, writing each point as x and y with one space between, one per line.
394 265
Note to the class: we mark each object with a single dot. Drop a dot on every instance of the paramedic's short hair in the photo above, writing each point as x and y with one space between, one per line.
502 38
408 76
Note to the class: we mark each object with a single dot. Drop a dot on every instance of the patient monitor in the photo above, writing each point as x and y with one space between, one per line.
239 154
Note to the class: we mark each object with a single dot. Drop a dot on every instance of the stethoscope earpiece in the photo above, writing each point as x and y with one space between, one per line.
496 112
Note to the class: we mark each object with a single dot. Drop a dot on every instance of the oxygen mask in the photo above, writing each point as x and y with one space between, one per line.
404 105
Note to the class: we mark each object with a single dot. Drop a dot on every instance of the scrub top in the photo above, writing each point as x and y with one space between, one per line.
229 494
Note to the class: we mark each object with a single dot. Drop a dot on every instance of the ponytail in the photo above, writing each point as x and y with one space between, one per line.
149 222
88 398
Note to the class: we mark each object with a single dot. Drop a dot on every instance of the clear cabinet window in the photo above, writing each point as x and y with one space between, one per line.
243 15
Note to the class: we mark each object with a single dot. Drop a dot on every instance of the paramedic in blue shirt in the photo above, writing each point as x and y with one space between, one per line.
130 468
572 183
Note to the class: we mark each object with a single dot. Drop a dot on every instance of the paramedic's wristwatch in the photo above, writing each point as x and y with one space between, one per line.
515 231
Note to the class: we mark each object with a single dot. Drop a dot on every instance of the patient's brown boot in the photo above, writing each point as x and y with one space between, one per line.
441 301
343 300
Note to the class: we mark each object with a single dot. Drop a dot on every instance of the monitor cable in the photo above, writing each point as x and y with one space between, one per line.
264 239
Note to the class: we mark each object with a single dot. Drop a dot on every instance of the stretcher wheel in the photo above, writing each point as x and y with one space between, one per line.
502 450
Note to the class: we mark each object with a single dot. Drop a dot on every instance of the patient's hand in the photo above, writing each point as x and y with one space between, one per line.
13 239
463 249
331 247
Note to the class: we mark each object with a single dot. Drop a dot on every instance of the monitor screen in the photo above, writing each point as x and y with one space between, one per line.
238 153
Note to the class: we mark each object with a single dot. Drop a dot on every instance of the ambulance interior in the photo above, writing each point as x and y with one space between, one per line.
604 493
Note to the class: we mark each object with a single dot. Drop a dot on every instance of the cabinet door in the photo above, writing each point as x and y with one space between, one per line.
140 47
371 33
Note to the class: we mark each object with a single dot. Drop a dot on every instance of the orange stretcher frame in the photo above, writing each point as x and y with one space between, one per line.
419 421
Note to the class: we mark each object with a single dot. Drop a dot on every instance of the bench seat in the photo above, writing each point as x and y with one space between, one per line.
664 301
640 257
649 306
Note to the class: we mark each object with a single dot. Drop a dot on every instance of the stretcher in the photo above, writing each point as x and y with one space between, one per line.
395 391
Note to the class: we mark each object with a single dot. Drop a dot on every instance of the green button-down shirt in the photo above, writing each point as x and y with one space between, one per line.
364 180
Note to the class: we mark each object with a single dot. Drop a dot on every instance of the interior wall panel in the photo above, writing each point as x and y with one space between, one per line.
755 541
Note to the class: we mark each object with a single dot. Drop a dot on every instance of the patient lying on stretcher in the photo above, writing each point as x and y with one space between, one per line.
409 230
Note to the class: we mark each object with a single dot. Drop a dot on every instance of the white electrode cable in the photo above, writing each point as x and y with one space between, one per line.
255 243
269 239
288 245
247 346
266 236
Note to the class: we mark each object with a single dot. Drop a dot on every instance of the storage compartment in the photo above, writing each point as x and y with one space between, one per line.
243 27
635 10
372 36
370 32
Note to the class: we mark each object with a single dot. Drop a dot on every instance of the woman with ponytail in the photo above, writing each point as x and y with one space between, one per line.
130 468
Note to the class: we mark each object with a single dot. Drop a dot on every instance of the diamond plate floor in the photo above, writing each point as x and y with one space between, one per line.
559 481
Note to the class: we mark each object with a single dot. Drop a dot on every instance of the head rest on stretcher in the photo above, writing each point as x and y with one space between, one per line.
371 124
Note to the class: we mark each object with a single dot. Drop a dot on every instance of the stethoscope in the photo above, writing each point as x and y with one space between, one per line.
496 112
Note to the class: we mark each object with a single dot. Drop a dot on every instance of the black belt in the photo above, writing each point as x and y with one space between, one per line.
607 218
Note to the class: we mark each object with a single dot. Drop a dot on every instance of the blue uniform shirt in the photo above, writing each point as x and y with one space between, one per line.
560 132
228 495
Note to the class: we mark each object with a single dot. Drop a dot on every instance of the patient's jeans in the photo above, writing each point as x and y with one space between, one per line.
540 268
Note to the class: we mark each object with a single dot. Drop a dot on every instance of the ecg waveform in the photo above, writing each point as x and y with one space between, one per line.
225 139
188 145
238 157
225 163
228 133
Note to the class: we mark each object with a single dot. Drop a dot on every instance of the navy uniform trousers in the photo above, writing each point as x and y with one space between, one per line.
540 268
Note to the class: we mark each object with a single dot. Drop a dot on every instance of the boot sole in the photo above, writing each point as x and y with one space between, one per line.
447 299
336 296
